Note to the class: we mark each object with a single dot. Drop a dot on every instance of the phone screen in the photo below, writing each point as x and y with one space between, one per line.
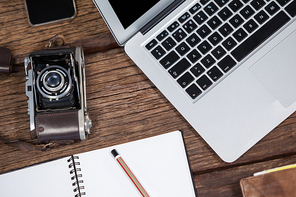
45 11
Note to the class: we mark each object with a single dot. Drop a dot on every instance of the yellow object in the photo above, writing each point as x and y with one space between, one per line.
275 169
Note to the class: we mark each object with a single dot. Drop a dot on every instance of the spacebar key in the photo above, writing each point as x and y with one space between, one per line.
260 36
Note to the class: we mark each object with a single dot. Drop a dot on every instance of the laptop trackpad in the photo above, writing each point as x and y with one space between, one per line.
277 70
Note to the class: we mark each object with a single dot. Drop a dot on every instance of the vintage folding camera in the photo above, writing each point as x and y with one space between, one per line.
56 93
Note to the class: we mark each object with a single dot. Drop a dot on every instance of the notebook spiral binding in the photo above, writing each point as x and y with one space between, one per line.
77 184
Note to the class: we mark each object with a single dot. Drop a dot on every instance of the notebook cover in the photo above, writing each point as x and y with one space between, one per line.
273 184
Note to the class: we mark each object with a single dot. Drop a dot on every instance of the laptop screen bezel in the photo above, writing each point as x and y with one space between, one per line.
120 34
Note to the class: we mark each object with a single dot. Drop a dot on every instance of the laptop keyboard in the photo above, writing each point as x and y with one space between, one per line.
212 37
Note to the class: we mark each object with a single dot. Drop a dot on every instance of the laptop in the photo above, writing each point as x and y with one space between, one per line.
228 66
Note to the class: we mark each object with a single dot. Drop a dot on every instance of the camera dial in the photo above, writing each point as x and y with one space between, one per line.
54 82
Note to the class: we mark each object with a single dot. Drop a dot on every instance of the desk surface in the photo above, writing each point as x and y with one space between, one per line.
123 104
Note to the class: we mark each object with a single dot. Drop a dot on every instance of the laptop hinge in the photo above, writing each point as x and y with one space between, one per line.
161 16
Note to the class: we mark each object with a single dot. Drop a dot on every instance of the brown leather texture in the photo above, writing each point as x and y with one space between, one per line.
5 60
57 126
273 184
18 144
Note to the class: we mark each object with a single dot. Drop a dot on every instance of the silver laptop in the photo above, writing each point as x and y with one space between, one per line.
228 66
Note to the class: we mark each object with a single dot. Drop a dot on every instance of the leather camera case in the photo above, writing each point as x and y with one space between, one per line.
57 126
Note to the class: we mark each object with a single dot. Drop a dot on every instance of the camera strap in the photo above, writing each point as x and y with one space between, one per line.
55 39
30 147
5 60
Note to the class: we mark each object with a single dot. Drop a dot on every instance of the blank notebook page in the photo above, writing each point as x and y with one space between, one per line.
159 163
43 180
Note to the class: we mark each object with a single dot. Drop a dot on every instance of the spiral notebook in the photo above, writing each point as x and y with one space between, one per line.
160 164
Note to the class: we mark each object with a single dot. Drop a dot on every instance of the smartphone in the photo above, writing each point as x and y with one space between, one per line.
46 11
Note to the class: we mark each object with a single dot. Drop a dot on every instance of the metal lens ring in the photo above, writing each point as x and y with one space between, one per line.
54 82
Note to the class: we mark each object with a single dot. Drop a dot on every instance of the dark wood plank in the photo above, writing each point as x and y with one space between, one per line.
123 104
86 29
226 182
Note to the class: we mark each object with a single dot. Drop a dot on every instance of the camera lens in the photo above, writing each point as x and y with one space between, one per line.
53 80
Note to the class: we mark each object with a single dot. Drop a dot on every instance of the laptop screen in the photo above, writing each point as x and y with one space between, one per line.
126 17
129 11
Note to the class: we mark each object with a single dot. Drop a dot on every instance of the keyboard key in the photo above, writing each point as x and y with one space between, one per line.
211 67
214 22
200 17
151 44
204 2
185 80
215 73
158 52
225 30
189 26
240 34
225 13
229 43
291 8
195 8
211 8
184 17
208 61
203 31
283 2
173 26
179 68
197 70
226 63
182 49
169 60
162 35
193 56
179 35
168 44
260 36
272 8
204 47
215 38
236 21
261 17
204 82
193 91
218 52
250 26
257 4
235 5
221 3
247 12
193 40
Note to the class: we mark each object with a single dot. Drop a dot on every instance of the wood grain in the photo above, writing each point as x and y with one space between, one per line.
123 104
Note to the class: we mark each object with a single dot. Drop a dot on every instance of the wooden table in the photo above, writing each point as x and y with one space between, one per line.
123 104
